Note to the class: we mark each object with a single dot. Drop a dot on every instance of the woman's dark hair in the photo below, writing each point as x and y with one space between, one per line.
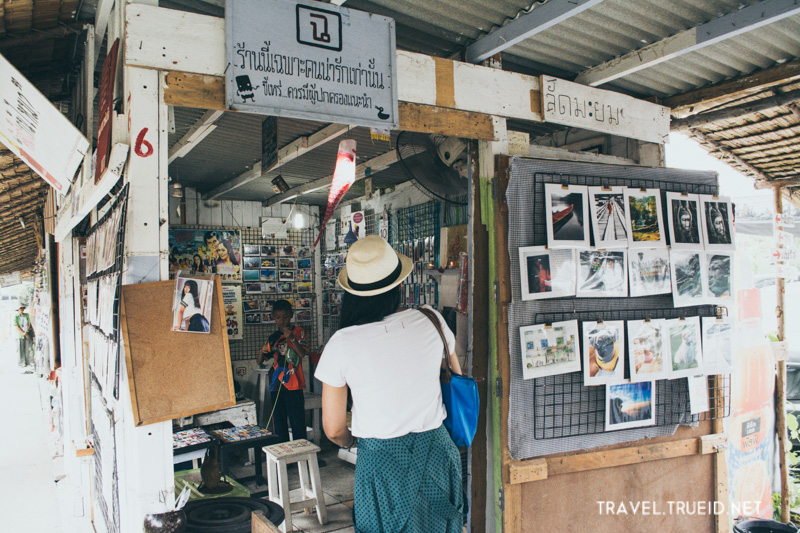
360 310
193 291
199 259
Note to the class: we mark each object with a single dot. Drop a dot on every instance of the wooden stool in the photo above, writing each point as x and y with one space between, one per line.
304 454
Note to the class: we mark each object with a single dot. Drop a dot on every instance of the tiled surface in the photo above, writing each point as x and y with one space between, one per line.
337 485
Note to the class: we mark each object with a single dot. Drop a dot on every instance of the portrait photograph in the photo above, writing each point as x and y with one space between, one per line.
688 278
266 306
192 305
720 279
251 275
550 349
717 220
603 352
649 272
646 350
546 273
252 249
685 230
644 221
269 274
685 346
717 345
602 274
567 210
608 217
630 405
206 252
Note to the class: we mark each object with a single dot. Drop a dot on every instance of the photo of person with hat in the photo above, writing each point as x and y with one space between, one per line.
22 322
390 359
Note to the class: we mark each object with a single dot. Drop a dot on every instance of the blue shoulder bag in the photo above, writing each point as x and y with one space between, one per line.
460 396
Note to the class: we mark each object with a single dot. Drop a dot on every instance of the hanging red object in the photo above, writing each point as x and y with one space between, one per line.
343 177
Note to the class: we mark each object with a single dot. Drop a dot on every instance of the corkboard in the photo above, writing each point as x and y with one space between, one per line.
172 374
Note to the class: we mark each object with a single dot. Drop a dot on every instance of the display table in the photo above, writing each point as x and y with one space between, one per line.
241 414
190 445
251 437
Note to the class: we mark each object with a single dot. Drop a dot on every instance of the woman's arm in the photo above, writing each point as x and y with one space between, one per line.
334 415
181 308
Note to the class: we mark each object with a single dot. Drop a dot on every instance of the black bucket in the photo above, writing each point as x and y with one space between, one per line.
762 526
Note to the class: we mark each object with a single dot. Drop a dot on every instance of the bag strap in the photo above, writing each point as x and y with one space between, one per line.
432 317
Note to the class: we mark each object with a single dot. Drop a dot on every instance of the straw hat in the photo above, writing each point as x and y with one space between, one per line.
372 267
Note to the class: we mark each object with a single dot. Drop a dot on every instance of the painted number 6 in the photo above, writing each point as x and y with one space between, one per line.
142 147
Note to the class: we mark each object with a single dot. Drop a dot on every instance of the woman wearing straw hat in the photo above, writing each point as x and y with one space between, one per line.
408 471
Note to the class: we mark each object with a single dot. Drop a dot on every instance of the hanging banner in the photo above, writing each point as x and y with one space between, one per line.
37 132
311 60
232 303
215 251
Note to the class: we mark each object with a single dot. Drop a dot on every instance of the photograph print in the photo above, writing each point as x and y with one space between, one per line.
644 221
252 249
717 345
719 287
630 405
192 305
550 349
688 278
603 352
251 275
716 215
607 205
649 272
686 349
252 262
602 274
567 210
546 273
646 350
685 230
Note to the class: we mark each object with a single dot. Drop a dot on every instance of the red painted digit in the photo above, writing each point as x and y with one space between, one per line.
142 143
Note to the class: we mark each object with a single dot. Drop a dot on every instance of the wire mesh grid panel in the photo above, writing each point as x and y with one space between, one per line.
273 269
416 235
105 493
558 413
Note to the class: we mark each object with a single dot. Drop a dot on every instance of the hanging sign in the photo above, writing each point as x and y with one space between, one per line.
784 254
573 104
10 279
37 132
786 271
105 111
784 237
311 60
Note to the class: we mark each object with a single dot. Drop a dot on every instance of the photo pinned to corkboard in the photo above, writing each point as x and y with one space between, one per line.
171 374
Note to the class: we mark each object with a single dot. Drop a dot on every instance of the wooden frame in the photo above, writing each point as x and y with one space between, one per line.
172 374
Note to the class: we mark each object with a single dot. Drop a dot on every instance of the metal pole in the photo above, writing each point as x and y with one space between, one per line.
780 408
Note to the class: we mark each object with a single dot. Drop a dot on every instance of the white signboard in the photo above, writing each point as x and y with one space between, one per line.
787 221
37 132
232 302
10 279
311 60
786 271
573 104
784 254
784 237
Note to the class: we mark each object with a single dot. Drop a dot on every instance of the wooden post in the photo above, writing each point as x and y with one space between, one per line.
780 407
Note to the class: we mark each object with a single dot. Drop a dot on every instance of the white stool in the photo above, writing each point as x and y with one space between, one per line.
304 453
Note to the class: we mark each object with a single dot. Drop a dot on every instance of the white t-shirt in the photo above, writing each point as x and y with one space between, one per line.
392 368
190 305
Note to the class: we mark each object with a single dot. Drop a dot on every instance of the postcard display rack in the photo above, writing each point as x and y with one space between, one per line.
104 251
558 413
258 294
413 231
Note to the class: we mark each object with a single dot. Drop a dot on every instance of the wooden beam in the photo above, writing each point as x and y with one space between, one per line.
722 520
290 152
200 91
735 88
526 471
541 18
366 169
732 158
737 111
712 32
196 133
780 394
170 40
39 36
102 14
